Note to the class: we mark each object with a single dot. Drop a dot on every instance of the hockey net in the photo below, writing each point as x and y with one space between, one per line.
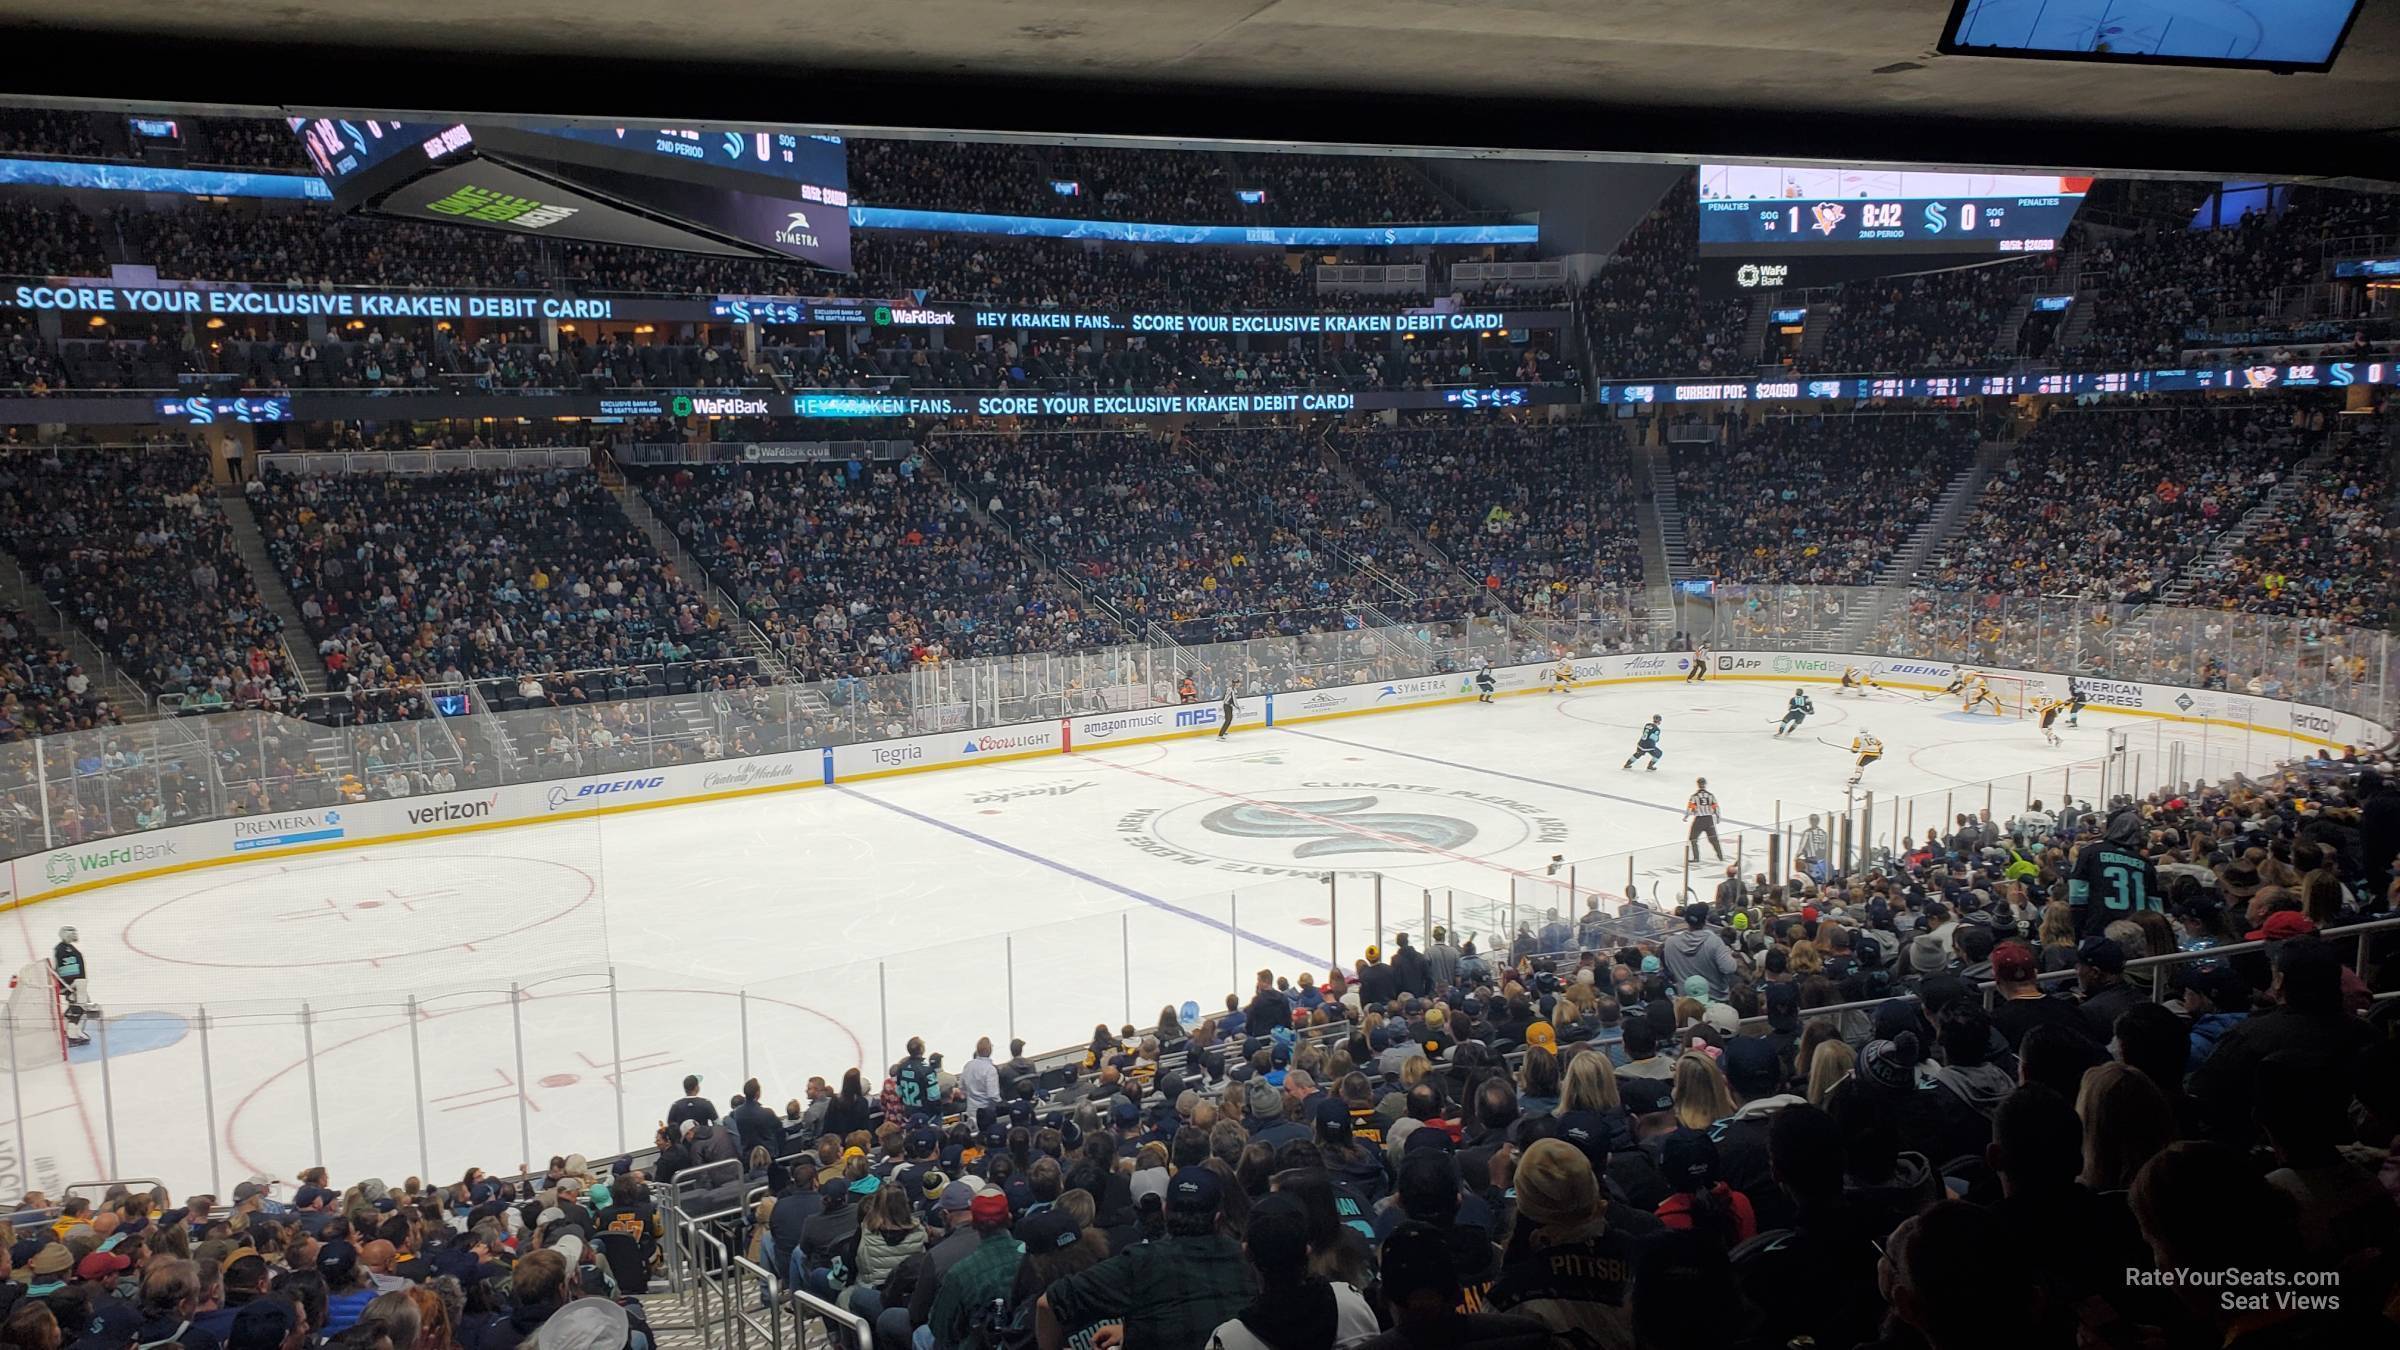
37 1021
2014 692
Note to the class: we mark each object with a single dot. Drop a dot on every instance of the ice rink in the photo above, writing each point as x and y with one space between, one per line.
460 1006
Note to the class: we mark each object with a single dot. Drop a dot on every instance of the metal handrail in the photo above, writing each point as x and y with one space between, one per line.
740 1318
102 1185
707 1290
805 1304
685 1181
2157 966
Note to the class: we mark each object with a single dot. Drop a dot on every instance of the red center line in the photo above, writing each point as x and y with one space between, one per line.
1330 822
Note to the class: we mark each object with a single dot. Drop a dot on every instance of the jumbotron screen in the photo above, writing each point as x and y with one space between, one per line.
688 188
1768 226
2280 35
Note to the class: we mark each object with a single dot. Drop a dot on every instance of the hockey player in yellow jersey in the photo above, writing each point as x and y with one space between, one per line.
2050 709
1562 678
1868 749
1980 695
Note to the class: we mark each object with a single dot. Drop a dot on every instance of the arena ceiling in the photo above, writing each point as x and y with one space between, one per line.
1835 80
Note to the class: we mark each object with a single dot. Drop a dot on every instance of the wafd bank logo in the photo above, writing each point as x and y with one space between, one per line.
1803 665
66 866
1297 831
594 794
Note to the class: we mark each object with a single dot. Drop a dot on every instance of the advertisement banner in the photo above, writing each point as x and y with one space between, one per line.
871 758
1116 728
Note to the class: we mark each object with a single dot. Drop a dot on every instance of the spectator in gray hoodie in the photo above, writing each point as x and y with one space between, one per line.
1698 951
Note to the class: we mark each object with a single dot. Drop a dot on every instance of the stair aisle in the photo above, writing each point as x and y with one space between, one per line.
298 645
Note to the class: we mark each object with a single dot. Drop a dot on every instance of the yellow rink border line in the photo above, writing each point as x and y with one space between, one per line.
622 808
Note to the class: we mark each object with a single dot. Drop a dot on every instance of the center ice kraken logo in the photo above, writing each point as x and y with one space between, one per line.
1301 830
1339 825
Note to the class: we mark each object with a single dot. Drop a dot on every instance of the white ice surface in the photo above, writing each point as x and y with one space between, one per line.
799 933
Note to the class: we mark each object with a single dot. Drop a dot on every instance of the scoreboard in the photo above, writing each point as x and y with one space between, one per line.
1763 226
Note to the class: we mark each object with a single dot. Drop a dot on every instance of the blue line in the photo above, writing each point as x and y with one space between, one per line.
1514 777
1080 875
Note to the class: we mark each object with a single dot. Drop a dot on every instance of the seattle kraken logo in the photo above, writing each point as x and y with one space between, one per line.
1937 218
1340 825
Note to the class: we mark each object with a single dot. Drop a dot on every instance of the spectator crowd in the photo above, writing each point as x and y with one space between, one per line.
1815 500
1939 1104
439 578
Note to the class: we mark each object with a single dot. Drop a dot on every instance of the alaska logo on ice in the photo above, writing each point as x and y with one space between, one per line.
1345 825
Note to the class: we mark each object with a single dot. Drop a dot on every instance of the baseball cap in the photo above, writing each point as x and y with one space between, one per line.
116 1324
1645 1096
1750 1065
958 1195
2281 925
1416 1257
254 1186
1542 1034
1051 1230
2101 954
1194 1190
989 1206
1125 1112
2012 961
2223 985
335 1260
1150 1183
1588 1131
1688 1158
1722 1018
101 1265
261 1324
1333 1121
924 1139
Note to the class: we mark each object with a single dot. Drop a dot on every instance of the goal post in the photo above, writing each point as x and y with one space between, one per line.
37 1020
2015 692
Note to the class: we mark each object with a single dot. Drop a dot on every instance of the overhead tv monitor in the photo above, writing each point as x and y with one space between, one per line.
2280 35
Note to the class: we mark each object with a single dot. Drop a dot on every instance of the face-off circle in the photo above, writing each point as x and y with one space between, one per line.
1342 825
359 911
